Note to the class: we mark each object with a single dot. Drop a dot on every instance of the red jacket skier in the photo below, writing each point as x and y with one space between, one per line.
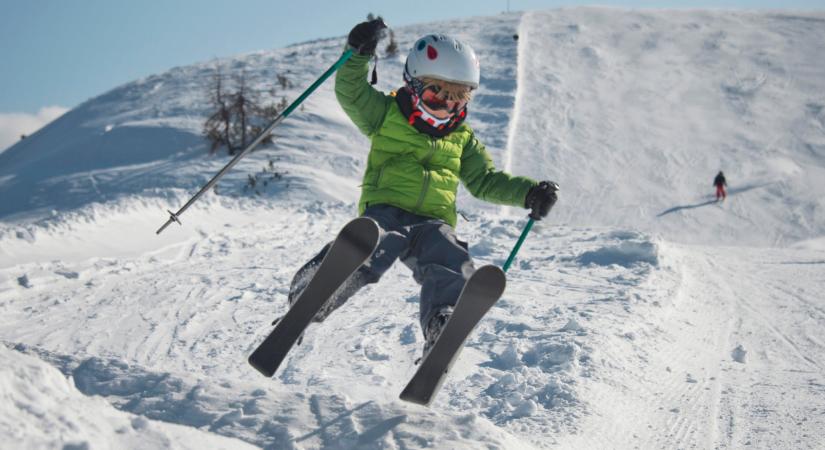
720 184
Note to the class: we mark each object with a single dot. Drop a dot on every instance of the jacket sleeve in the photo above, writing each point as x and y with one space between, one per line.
364 105
481 178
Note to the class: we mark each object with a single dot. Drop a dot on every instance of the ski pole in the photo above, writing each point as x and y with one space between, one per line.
175 217
533 216
520 241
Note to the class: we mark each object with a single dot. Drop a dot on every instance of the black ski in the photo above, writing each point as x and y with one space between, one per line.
480 293
352 247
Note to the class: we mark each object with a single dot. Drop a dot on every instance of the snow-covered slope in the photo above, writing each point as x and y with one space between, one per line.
635 113
625 322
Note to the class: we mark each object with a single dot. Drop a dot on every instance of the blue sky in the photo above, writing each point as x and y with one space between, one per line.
61 53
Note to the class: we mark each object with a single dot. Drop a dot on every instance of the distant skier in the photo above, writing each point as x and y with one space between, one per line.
720 184
420 150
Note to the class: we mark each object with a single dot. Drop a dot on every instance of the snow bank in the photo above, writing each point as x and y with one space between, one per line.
40 408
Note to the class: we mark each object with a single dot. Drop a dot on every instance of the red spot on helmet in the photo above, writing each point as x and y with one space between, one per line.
432 53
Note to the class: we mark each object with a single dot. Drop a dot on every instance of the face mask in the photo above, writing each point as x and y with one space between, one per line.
429 118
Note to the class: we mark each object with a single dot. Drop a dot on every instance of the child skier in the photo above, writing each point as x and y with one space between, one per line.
720 184
421 148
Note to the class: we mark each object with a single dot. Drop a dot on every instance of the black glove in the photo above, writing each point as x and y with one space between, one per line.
364 36
541 198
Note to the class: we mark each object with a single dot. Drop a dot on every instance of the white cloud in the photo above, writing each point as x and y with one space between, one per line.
12 125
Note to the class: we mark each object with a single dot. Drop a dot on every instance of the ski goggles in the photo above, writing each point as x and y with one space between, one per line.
430 98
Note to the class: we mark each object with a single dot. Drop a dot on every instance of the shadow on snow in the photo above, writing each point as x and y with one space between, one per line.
731 192
234 410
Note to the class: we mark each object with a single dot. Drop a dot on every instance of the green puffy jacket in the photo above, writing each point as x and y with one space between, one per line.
412 170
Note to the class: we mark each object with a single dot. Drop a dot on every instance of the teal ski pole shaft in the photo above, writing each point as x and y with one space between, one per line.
174 217
520 241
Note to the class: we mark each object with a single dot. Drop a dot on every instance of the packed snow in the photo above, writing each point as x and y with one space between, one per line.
640 314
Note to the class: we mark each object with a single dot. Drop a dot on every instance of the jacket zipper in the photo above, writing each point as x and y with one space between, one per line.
426 183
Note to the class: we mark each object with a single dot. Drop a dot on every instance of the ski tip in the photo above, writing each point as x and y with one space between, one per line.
363 232
363 224
407 397
491 270
265 371
493 276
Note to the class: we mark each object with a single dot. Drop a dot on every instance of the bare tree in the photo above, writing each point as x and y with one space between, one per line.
241 104
392 47
282 105
239 116
217 127
283 81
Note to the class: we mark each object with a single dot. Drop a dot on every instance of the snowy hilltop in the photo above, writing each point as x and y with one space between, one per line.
640 314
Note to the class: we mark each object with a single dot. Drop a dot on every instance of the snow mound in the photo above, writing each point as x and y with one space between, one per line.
739 354
263 417
625 254
40 408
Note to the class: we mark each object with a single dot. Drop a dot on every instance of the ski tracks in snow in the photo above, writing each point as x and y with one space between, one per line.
760 373
166 334
724 351
604 339
775 396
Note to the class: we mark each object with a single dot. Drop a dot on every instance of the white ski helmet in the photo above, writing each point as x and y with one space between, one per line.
443 58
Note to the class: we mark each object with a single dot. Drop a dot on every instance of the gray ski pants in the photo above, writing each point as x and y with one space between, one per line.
439 261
